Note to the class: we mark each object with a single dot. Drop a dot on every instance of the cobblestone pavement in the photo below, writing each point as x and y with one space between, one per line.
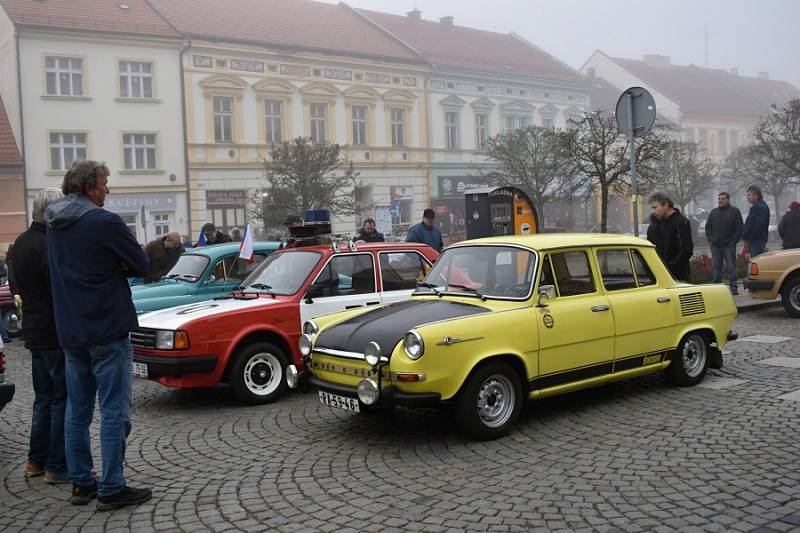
633 456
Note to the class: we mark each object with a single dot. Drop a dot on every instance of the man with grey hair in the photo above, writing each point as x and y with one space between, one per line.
32 283
91 253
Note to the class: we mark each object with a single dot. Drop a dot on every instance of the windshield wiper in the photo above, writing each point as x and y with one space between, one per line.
469 289
190 277
430 286
263 287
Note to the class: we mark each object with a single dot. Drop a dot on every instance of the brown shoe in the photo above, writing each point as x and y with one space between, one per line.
56 479
31 470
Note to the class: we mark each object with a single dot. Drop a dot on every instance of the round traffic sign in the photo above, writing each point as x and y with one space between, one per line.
636 111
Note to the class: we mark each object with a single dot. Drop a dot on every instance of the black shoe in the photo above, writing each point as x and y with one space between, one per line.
125 497
83 494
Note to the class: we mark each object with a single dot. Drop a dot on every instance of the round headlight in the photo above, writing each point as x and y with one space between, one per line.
305 344
413 344
310 328
368 392
372 353
292 377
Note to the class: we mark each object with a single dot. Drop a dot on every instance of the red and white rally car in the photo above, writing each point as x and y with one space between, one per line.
249 338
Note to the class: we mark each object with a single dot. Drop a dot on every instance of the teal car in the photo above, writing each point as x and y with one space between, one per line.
200 274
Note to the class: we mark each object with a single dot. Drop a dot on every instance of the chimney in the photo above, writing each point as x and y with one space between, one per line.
591 72
659 61
416 14
763 75
734 71
447 21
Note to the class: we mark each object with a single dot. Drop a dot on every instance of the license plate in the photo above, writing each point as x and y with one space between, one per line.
140 370
339 402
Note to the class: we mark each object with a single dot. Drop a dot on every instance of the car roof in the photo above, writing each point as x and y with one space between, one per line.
364 247
216 250
549 241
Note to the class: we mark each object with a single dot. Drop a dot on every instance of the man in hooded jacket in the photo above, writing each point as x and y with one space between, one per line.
669 230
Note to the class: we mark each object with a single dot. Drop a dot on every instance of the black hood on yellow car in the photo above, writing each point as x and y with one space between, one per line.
387 325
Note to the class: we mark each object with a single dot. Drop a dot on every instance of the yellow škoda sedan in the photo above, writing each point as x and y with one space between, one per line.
505 319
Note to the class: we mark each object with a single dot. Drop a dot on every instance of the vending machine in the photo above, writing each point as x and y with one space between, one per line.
504 210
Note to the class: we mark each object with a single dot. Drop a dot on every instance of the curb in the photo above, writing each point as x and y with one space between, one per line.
758 306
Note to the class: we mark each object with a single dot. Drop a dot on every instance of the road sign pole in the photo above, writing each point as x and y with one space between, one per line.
632 149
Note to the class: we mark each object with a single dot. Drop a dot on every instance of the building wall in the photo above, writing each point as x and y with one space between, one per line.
13 219
8 73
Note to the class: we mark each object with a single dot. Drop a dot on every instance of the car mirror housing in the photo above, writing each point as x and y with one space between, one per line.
546 293
314 291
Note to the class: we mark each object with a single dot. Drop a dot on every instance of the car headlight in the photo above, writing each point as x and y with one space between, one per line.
310 328
171 340
368 391
372 353
413 344
305 344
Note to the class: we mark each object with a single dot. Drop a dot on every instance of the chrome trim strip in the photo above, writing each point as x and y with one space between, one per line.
447 341
343 354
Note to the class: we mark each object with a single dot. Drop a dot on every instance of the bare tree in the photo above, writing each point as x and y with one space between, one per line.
756 166
599 151
532 158
684 173
779 135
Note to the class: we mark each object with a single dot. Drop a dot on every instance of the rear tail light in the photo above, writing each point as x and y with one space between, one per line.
2 363
752 269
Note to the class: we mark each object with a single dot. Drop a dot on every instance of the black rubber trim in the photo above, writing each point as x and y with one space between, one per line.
389 395
6 393
758 285
176 366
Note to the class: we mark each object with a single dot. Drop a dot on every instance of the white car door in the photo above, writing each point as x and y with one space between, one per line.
400 272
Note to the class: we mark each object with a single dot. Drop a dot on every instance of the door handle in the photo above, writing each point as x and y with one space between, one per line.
599 308
663 299
373 303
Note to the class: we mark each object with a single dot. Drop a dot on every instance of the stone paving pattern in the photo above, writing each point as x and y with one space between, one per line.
639 455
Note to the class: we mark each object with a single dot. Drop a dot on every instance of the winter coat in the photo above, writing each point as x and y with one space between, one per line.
161 258
673 240
724 226
370 237
421 233
32 283
91 254
789 229
756 227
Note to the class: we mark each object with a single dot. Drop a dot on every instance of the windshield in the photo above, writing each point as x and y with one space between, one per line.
188 268
483 271
282 273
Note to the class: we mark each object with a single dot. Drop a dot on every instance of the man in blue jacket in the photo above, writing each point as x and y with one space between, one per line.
756 228
425 232
91 254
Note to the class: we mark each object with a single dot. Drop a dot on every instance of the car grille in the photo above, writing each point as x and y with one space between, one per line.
692 304
143 338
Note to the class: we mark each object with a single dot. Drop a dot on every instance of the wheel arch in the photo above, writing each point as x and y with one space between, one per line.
260 335
786 277
514 360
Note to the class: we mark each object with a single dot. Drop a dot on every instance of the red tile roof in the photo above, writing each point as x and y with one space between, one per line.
100 15
284 23
461 47
9 154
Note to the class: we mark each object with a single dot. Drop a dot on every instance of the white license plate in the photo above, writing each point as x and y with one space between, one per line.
340 402
140 370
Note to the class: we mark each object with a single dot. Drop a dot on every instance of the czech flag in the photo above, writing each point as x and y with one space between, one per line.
246 246
201 241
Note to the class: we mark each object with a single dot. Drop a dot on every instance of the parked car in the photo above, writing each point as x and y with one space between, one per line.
502 320
200 274
8 312
249 338
776 273
6 389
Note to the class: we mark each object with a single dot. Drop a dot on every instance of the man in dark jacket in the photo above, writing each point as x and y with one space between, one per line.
213 236
368 232
163 253
756 228
32 282
91 252
723 231
425 232
789 228
669 230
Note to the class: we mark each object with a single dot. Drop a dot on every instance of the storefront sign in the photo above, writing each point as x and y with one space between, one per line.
455 186
126 202
226 198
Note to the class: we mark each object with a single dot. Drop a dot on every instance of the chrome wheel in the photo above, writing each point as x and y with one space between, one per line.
263 374
694 356
496 400
794 297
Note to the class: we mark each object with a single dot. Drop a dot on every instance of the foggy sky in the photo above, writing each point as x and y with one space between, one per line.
752 35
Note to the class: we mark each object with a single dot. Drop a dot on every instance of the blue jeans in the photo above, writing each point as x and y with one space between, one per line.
724 255
47 424
3 333
103 371
757 248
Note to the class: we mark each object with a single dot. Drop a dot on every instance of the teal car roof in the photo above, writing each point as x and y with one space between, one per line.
214 251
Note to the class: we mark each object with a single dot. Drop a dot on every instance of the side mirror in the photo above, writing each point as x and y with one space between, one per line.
546 293
314 291
211 278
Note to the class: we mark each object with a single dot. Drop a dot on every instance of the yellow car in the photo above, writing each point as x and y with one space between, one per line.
505 319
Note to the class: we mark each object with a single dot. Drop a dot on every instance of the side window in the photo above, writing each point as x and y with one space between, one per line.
347 274
402 270
572 272
643 273
547 277
616 269
232 268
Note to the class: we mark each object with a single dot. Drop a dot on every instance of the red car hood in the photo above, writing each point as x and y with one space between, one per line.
175 318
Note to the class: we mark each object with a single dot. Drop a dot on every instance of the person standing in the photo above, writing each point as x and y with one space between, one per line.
723 231
424 232
368 232
91 252
756 228
789 228
32 282
163 253
213 236
669 230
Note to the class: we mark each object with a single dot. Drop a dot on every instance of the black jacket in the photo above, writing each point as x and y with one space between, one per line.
32 283
756 227
673 240
789 229
370 237
724 226
161 258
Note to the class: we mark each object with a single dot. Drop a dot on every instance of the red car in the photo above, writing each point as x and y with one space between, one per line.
249 338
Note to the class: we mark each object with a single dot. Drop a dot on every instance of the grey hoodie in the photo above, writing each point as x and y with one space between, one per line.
66 211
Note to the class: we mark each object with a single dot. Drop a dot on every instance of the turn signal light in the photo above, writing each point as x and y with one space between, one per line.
181 340
409 377
753 269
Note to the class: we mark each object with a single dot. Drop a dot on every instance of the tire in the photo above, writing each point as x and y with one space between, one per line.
258 374
12 322
690 362
790 296
490 402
